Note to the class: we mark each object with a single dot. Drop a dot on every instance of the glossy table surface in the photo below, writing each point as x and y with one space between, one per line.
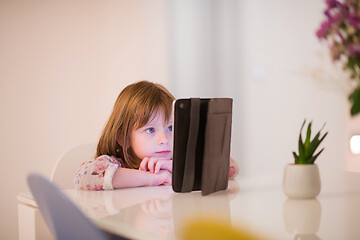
258 205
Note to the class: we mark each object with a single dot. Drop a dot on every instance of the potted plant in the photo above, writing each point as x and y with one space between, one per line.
301 178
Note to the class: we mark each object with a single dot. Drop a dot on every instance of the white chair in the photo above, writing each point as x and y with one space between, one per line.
65 167
62 216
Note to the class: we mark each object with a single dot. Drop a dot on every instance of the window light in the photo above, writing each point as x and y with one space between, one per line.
355 144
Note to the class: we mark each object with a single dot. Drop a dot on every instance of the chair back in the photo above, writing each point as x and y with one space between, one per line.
63 173
63 217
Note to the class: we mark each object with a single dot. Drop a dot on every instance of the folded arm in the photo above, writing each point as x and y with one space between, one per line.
107 172
124 177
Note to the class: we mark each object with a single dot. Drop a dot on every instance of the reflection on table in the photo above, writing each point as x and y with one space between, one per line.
302 218
153 210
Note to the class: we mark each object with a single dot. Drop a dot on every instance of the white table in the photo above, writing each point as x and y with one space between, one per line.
258 205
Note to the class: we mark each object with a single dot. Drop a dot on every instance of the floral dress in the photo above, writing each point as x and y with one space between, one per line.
97 174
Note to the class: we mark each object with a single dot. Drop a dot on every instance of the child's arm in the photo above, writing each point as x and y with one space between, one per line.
107 172
124 178
154 165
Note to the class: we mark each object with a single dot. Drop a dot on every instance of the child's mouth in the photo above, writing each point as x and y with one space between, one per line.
163 153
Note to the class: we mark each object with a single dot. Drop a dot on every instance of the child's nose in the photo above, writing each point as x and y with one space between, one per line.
162 138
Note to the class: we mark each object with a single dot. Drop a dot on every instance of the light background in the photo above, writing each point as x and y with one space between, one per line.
63 63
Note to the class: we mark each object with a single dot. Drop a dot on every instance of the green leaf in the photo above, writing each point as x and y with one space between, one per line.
355 101
323 137
308 134
301 161
312 146
296 157
301 145
315 143
312 160
308 148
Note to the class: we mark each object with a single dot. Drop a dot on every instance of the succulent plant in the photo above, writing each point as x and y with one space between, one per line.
308 148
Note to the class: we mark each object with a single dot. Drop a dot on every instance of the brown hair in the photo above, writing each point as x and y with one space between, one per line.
134 106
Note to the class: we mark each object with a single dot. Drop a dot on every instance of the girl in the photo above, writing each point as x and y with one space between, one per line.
135 147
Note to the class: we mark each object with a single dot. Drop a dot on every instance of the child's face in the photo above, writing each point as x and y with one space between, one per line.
154 139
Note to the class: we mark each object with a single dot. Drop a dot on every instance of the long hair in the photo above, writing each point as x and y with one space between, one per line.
134 106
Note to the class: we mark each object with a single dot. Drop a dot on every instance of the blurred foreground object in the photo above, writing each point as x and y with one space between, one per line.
214 229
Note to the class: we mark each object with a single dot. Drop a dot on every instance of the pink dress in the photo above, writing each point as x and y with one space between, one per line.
97 174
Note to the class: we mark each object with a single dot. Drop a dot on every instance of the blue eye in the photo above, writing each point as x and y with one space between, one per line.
150 130
169 128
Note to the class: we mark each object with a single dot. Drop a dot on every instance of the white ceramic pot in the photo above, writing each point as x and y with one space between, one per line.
301 181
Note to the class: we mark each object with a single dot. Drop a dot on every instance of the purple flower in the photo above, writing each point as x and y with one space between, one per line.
337 17
343 7
354 21
331 3
341 36
337 29
342 31
353 49
322 31
335 52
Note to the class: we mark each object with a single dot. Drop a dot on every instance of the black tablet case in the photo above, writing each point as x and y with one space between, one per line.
201 152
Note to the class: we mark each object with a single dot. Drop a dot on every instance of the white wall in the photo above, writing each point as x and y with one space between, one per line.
62 65
266 56
280 43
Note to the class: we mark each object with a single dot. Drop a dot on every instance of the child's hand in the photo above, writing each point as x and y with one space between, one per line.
234 169
164 177
154 165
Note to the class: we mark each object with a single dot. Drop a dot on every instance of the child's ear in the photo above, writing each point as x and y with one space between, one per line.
119 140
